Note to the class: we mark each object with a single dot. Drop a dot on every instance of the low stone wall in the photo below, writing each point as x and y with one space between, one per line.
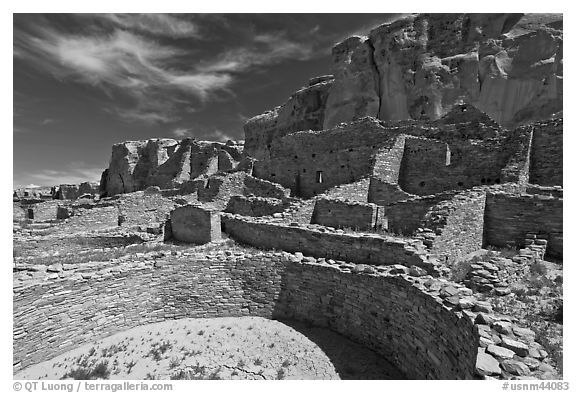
405 217
320 242
508 218
397 316
254 206
553 191
44 211
339 213
218 189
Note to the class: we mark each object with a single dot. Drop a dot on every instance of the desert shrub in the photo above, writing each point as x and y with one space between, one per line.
99 371
174 362
538 268
130 365
460 270
280 374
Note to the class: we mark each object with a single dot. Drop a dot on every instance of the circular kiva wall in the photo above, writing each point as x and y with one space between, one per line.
389 314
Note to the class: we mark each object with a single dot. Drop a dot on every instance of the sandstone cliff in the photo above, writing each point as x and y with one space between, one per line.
507 65
136 165
303 111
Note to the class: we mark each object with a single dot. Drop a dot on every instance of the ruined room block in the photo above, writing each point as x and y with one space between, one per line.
193 224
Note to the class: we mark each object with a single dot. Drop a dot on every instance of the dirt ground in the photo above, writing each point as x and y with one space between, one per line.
218 348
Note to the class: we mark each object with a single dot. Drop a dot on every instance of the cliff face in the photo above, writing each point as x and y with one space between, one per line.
136 165
303 111
507 65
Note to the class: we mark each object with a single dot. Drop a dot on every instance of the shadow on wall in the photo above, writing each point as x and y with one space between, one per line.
388 315
352 361
410 329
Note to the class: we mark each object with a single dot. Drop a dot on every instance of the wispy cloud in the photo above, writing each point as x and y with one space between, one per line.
122 62
265 49
76 173
181 132
175 26
147 64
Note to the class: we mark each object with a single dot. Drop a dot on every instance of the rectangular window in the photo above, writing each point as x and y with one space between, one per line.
319 177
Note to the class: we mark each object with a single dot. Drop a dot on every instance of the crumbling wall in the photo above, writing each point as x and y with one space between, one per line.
310 162
553 191
508 218
339 213
218 189
384 193
320 242
406 216
356 191
43 211
546 155
142 210
457 225
194 224
398 319
254 206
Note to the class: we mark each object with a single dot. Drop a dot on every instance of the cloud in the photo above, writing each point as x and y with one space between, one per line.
181 132
265 49
47 121
76 173
155 24
124 63
219 135
142 115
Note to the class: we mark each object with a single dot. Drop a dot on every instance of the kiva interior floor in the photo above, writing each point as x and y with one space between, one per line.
218 348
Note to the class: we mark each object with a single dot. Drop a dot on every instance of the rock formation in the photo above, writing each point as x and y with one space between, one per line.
303 111
167 163
74 191
418 67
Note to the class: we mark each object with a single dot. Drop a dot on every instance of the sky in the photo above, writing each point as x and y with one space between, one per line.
82 82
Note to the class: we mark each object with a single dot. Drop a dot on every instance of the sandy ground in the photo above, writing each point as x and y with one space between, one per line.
218 348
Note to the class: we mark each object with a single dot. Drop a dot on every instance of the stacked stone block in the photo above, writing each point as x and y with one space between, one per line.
193 224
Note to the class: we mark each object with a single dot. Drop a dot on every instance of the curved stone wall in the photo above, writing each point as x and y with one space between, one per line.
389 314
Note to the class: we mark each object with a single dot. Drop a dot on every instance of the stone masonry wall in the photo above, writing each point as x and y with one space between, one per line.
321 242
554 191
254 206
405 217
457 225
430 166
508 218
546 154
217 189
392 307
384 193
311 162
194 224
338 213
395 316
